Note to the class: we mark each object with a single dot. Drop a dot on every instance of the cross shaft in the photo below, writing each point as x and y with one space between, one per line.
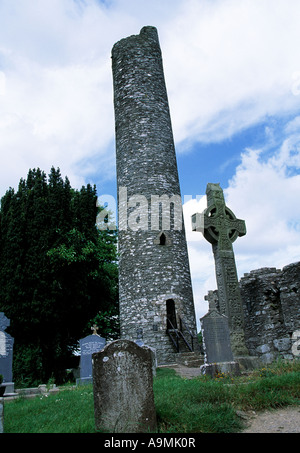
221 228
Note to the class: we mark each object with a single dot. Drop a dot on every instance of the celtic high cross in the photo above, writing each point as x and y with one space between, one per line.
94 328
221 228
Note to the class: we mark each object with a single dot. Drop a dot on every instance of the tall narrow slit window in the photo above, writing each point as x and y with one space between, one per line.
162 239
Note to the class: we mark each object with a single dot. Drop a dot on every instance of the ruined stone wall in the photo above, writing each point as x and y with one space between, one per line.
151 271
271 299
262 311
271 303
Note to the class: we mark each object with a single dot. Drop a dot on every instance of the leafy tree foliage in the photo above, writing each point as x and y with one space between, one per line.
57 272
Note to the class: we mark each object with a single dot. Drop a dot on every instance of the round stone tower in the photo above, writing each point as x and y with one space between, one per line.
156 299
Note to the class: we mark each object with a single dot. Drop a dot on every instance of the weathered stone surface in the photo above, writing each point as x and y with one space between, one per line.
216 338
218 355
153 257
123 388
221 229
215 369
271 307
272 311
282 344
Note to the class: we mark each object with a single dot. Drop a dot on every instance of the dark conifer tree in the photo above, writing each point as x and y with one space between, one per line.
57 271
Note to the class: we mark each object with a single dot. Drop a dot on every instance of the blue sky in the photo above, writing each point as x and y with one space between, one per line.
232 72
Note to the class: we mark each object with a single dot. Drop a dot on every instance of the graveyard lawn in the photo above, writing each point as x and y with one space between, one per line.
183 405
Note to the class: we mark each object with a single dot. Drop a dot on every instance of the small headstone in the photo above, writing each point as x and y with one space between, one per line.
6 354
89 345
218 355
216 337
123 388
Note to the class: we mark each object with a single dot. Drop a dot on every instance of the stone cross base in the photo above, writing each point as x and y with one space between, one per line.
213 369
84 381
249 362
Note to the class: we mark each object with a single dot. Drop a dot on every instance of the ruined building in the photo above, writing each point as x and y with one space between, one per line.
271 304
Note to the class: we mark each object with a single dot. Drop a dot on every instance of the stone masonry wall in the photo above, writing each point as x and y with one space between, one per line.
151 271
271 303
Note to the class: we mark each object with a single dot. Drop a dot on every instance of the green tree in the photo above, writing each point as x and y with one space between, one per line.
57 271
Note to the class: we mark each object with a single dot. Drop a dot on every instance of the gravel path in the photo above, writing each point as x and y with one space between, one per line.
285 420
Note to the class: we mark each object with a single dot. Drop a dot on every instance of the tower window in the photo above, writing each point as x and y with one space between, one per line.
162 239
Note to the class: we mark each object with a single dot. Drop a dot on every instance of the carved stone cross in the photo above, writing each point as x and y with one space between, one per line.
94 328
221 228
220 224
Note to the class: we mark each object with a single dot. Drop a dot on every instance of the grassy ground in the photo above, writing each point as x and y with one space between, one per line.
183 406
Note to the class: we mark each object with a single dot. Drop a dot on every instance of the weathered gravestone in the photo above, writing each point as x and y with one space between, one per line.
218 355
89 345
6 354
123 388
221 228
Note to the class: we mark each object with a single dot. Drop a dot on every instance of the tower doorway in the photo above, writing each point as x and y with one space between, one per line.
171 314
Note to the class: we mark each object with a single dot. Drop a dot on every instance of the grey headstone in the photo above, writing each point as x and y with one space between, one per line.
123 388
6 350
216 338
88 346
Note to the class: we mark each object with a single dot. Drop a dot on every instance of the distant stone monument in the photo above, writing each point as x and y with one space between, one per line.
221 228
6 354
123 388
218 355
89 345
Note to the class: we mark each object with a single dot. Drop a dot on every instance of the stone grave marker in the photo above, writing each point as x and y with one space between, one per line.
6 354
123 388
89 345
218 355
221 228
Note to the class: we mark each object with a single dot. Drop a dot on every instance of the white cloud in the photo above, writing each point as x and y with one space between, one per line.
265 193
200 256
57 107
2 83
227 63
234 65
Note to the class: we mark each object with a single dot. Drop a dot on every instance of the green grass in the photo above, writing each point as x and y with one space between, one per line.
203 405
183 406
69 411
